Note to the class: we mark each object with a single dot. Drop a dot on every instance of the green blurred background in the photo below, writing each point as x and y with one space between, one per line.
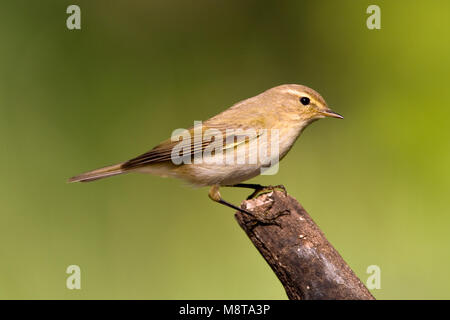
377 182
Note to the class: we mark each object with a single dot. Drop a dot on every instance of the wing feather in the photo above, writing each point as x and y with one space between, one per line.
163 151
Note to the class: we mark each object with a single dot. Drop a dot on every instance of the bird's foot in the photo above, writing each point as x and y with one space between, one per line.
263 213
265 189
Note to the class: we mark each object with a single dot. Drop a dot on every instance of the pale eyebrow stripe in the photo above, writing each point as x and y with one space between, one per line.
295 92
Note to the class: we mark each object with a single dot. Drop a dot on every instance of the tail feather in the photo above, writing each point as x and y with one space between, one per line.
98 174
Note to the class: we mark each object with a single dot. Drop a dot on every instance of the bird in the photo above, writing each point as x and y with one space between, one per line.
244 141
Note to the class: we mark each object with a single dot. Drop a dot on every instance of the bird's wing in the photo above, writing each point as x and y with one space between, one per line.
200 139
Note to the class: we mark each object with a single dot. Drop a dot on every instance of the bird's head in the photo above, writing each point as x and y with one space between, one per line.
302 102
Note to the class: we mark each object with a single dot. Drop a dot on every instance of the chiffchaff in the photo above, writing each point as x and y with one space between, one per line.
267 124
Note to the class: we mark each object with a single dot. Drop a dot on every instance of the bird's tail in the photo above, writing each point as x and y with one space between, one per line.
99 173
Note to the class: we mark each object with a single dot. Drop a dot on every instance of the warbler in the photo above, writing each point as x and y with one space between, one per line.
233 146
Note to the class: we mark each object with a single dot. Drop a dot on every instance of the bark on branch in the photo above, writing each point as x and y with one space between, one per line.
296 249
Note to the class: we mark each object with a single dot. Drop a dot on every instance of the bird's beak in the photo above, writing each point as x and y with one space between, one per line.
331 113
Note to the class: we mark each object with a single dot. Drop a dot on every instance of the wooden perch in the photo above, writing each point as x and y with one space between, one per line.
296 249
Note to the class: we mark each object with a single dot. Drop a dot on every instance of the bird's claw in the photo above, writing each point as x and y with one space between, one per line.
264 215
262 220
265 189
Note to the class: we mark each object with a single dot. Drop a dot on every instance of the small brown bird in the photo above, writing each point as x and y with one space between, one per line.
233 146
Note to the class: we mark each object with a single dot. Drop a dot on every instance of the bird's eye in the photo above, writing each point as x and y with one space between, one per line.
304 100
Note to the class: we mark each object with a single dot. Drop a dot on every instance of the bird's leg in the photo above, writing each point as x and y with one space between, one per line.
258 188
214 195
